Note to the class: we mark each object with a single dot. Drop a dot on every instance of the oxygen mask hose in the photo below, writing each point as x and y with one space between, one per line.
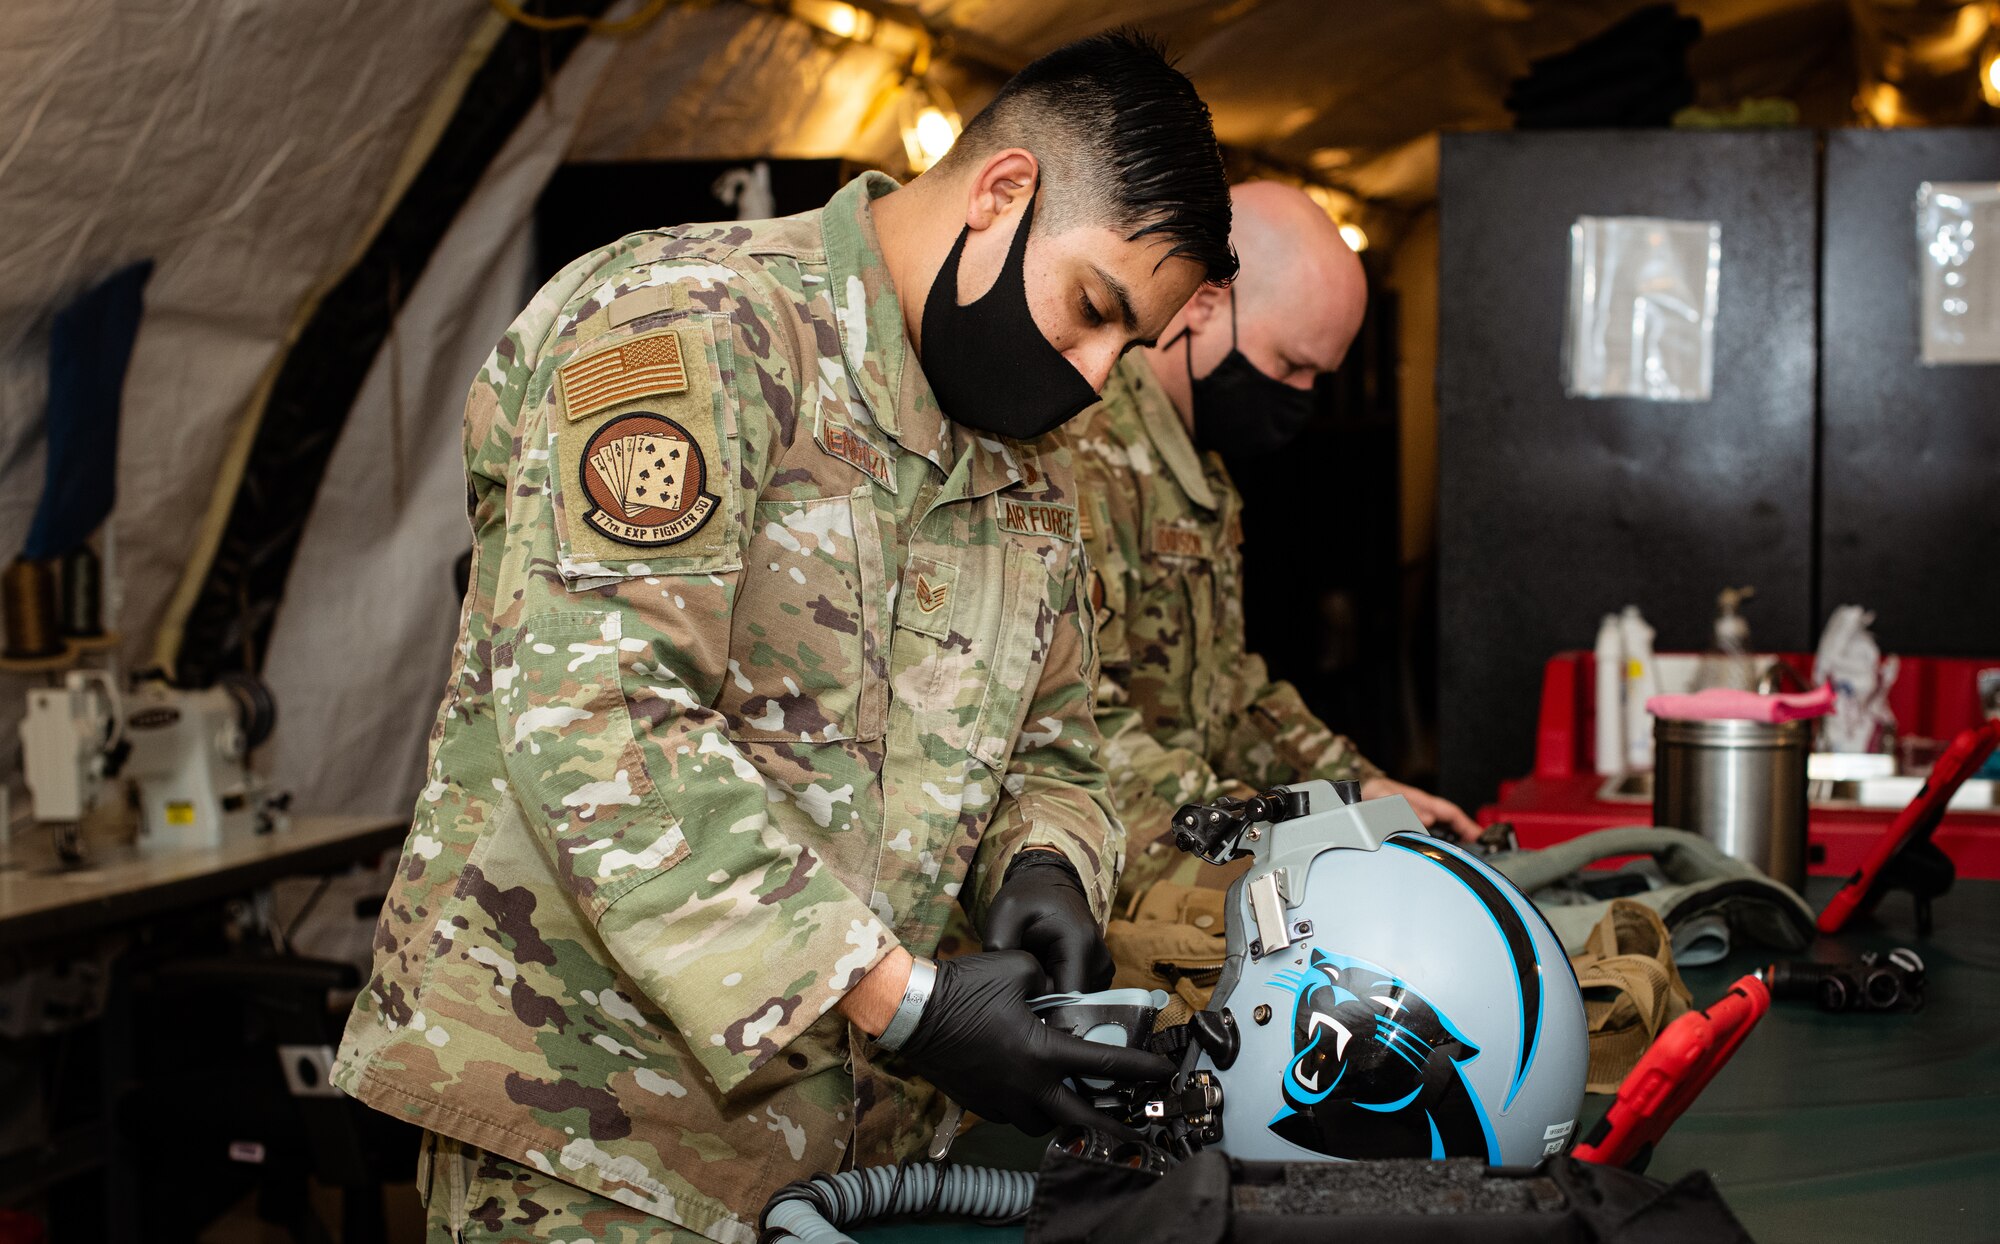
813 1210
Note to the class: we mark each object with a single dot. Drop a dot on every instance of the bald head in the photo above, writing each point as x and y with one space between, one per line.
1300 285
1300 296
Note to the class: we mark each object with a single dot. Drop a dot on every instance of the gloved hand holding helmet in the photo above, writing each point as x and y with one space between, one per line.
1383 995
974 1037
1041 908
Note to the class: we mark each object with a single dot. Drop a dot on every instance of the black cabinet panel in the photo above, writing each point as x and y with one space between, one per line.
1910 455
1555 510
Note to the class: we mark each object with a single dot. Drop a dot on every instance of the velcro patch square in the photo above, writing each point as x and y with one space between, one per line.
924 602
644 366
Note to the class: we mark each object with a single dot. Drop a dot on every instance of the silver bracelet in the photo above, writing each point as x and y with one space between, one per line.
923 975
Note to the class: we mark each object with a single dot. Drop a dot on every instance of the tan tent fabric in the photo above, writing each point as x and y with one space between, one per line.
730 81
245 148
372 583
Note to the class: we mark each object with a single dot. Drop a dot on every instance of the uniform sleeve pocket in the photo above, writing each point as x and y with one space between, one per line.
575 766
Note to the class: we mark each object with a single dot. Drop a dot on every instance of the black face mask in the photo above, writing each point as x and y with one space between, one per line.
991 368
1238 410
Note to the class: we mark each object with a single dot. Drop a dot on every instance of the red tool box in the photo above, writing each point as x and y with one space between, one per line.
1932 697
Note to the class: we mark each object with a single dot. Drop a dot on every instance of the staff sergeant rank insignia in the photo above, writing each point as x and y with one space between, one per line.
644 477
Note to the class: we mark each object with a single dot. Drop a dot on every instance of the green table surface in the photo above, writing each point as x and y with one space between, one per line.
1823 1127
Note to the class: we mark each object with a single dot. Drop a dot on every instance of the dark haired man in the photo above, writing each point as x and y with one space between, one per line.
773 653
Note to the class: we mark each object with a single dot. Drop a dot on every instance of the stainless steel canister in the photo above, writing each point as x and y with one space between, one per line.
1739 784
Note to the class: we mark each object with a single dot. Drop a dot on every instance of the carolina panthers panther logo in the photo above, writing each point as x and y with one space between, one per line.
1376 1071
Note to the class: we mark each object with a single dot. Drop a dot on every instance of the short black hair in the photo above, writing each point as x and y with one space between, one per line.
1122 139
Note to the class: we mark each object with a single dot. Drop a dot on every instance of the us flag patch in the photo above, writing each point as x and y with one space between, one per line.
644 366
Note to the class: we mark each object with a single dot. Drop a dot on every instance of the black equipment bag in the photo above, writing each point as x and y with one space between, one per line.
1210 1199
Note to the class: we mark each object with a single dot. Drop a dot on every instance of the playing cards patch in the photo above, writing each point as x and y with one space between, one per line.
645 481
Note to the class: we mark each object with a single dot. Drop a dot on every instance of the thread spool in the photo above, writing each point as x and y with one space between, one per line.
28 599
82 594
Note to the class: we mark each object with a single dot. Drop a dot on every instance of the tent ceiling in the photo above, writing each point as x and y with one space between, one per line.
247 146
1337 87
733 81
1349 91
1344 87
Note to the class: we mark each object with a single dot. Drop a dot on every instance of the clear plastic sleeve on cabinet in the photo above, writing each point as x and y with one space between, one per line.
1958 267
1642 308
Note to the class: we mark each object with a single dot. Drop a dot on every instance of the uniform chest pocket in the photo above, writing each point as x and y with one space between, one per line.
981 649
805 649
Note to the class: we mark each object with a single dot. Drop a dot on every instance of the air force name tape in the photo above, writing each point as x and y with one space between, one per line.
1038 518
1170 540
843 444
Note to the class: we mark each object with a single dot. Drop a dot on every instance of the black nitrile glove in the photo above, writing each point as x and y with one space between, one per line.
1041 909
978 1041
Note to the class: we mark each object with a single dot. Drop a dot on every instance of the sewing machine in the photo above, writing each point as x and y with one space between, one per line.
186 752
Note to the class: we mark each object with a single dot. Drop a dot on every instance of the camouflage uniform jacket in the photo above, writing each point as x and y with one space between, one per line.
765 665
1186 712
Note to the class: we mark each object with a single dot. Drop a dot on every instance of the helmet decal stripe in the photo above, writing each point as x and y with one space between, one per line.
1513 930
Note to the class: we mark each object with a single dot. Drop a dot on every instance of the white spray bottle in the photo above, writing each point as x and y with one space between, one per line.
1728 663
1610 736
1642 683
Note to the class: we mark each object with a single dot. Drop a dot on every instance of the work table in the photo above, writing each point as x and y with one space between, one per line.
40 899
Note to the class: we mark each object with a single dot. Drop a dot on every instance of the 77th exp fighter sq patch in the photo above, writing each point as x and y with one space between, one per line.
644 477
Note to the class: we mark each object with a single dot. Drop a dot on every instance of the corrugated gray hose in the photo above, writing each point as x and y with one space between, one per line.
813 1210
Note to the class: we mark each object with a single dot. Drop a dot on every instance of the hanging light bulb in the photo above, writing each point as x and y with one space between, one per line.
1989 74
835 17
936 132
930 125
1356 240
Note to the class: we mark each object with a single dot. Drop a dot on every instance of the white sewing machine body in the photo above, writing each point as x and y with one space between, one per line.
185 752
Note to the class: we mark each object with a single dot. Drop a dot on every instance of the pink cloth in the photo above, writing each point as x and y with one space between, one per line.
1725 704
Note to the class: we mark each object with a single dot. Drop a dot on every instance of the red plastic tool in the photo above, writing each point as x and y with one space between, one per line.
1904 857
1683 1059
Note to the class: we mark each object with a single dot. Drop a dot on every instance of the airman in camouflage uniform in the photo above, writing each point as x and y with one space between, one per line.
1187 712
764 667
